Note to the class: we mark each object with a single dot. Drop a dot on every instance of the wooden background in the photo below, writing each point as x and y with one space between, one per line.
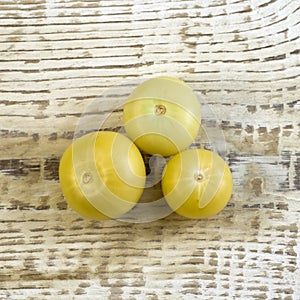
241 56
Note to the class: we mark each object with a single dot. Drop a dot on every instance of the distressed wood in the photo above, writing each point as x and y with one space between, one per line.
241 57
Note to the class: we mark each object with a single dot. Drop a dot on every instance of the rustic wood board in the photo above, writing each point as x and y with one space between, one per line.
241 56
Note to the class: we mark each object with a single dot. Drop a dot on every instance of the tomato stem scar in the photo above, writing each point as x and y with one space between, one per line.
87 178
160 109
199 176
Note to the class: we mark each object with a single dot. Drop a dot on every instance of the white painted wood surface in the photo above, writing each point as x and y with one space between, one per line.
241 56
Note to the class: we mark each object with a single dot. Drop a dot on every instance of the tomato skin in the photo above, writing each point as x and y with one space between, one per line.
197 183
162 116
71 190
102 175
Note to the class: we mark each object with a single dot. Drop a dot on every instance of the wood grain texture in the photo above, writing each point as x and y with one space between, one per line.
241 56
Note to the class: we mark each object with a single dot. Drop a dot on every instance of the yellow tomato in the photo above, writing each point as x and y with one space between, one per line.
102 175
162 116
197 183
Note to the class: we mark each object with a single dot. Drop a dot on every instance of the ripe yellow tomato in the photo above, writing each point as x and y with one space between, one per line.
102 175
162 116
197 183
